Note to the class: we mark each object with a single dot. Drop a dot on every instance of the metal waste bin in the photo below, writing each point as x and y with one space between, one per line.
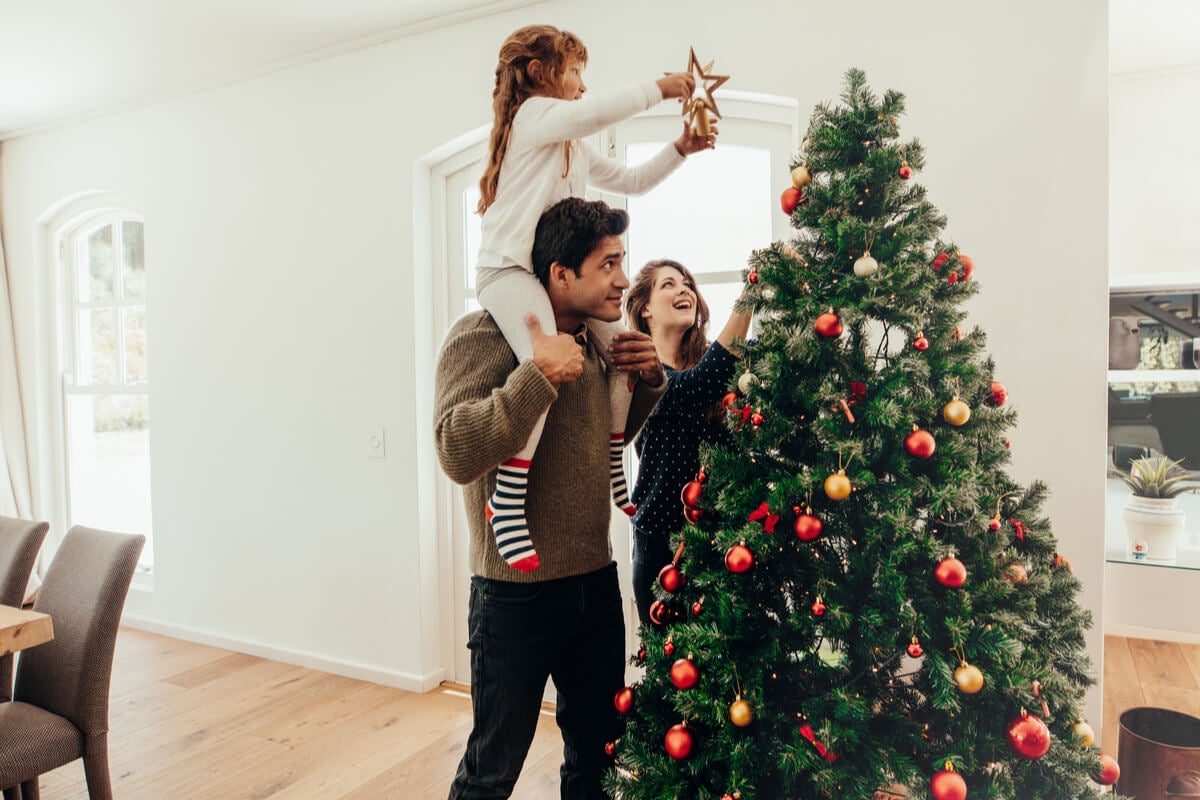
1155 747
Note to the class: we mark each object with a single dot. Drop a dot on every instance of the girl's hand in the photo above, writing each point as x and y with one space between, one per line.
691 142
677 84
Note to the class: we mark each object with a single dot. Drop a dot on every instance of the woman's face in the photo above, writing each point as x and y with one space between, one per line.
672 301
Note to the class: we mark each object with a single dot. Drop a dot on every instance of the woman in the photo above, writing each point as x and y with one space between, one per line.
665 303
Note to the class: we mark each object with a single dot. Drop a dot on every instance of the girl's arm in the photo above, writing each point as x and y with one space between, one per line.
548 120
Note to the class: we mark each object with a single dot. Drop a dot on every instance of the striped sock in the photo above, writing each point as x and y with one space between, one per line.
506 512
616 474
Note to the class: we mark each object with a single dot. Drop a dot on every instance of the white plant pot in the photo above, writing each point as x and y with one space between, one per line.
1156 521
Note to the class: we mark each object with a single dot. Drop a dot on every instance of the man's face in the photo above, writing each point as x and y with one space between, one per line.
601 283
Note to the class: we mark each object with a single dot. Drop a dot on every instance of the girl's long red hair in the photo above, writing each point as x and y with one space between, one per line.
515 84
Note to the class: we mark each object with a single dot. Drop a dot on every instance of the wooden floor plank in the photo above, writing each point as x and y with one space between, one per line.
191 722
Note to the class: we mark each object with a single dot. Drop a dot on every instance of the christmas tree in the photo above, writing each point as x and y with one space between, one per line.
863 604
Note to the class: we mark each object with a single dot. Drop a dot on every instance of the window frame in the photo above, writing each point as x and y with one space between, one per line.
71 241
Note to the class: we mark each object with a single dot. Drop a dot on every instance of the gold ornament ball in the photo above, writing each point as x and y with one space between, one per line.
740 713
801 177
956 412
1084 735
837 486
969 679
865 266
747 382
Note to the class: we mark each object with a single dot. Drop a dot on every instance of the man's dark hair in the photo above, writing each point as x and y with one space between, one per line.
570 230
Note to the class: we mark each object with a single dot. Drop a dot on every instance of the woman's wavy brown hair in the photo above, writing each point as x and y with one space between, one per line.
638 297
515 84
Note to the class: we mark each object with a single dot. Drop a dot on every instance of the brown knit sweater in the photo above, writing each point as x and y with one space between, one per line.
486 407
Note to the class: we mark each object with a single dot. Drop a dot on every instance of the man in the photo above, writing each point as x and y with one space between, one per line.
565 620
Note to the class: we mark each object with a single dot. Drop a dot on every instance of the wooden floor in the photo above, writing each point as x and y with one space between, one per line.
189 721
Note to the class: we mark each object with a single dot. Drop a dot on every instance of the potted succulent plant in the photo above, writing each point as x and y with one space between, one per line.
1153 517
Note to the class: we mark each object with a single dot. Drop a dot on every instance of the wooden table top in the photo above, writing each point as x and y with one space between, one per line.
20 629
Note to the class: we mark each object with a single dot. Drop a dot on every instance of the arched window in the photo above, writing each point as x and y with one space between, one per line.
106 386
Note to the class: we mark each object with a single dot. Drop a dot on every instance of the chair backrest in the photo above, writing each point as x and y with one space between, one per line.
83 592
20 542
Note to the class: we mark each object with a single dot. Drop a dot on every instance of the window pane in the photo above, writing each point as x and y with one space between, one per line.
133 261
472 224
95 276
134 325
109 463
709 215
96 358
720 298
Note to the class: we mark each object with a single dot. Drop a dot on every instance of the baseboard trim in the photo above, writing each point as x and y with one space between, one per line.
1158 634
419 684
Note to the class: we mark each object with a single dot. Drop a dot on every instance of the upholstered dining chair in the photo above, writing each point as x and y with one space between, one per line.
59 710
20 542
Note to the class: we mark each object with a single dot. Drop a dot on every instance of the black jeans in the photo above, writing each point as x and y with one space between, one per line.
651 552
569 629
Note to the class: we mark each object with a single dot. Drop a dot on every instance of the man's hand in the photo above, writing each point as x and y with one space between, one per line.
559 357
633 351
676 84
691 142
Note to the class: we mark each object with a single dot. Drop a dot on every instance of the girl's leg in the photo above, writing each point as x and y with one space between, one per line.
508 297
620 388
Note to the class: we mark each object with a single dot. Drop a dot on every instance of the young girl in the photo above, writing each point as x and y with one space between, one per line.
535 159
665 304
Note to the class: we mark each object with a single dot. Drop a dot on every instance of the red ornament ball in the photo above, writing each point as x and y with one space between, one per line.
692 515
678 741
951 572
738 559
914 649
994 524
948 785
941 260
1109 772
828 325
921 343
624 700
684 673
1028 736
920 443
659 612
641 654
752 277
729 399
968 266
1007 443
790 198
697 608
610 747
998 394
692 490
905 171
670 579
756 419
668 647
808 527
818 609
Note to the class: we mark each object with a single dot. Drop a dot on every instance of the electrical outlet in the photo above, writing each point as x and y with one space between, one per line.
376 444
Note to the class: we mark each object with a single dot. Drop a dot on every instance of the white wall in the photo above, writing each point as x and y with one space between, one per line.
279 230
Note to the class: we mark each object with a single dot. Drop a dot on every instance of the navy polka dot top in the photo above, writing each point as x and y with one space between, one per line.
668 446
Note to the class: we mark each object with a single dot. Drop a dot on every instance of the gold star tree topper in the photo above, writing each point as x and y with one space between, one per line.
697 109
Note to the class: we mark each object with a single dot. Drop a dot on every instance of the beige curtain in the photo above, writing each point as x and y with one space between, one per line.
15 495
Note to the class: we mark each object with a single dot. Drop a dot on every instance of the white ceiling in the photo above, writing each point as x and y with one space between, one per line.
63 59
